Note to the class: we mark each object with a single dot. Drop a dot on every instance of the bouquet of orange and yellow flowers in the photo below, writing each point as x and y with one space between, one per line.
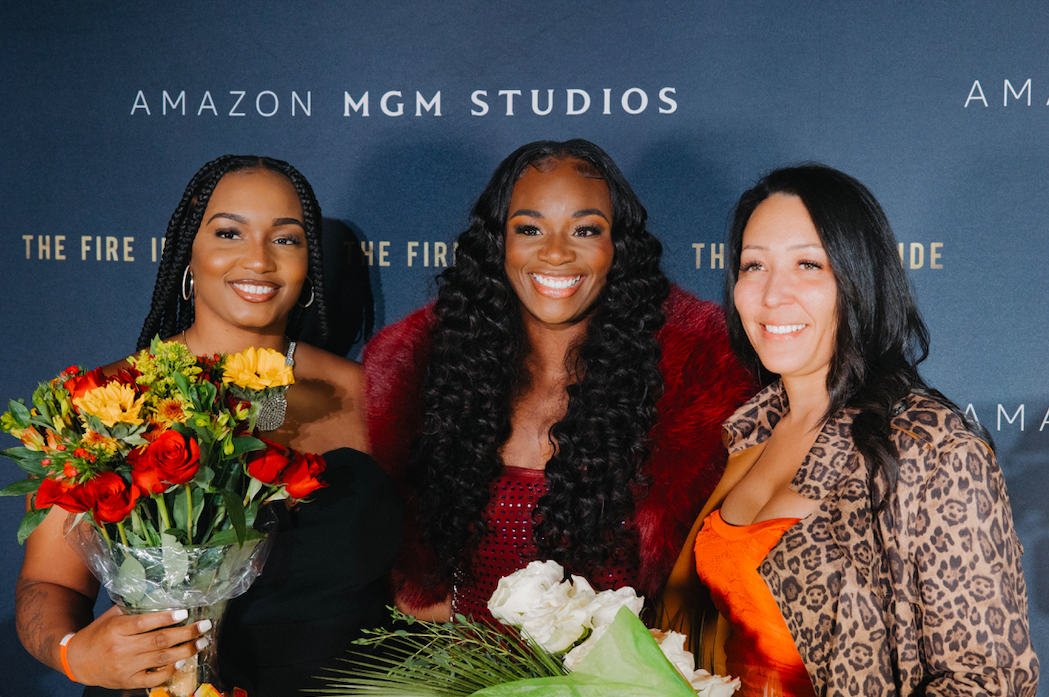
163 447
161 461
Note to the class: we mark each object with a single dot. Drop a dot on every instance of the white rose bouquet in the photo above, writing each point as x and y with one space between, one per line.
566 640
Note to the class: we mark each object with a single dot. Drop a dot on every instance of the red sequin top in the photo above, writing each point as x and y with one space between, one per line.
509 545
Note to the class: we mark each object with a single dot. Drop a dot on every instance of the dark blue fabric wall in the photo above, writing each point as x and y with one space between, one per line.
941 108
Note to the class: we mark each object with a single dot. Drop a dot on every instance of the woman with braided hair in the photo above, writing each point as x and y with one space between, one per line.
570 398
242 267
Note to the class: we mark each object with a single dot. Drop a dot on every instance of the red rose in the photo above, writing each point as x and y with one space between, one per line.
174 457
113 498
300 478
266 465
78 385
70 497
144 475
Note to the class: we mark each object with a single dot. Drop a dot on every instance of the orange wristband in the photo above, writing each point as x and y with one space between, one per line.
63 648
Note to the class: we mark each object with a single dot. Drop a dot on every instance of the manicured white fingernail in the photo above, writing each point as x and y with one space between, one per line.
179 615
203 626
179 664
202 642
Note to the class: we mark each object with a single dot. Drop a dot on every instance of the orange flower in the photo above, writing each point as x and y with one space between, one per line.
80 384
97 440
170 411
112 403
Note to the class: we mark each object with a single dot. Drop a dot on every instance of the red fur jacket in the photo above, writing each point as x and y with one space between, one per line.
703 386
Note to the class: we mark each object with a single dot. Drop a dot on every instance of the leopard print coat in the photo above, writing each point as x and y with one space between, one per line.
928 597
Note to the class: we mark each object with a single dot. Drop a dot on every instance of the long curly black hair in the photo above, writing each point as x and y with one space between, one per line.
881 337
170 313
476 368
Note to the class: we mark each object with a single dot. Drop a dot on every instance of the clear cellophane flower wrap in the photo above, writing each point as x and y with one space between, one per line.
200 579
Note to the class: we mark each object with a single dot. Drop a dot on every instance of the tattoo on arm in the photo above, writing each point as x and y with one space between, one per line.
30 625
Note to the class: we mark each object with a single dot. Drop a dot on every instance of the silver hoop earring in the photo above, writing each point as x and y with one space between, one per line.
311 294
187 294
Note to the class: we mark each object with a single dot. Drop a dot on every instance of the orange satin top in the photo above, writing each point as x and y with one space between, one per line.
759 650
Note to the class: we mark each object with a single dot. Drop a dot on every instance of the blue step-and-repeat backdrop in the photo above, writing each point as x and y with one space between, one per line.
398 112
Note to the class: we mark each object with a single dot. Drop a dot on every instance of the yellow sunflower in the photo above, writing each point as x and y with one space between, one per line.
113 403
257 369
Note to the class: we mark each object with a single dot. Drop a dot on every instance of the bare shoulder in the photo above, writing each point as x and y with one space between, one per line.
326 403
115 367
314 362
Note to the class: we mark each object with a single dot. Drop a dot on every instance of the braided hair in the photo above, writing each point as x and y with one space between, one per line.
476 369
170 313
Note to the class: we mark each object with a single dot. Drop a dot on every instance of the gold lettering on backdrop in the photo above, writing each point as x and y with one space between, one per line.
415 250
917 255
366 250
934 255
718 256
912 255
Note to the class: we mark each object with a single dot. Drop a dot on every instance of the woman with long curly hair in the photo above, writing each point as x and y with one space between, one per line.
570 396
241 267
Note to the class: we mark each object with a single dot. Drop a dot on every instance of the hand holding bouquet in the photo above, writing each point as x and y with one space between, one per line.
160 464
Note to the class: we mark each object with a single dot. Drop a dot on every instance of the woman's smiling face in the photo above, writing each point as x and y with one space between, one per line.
558 242
786 294
249 256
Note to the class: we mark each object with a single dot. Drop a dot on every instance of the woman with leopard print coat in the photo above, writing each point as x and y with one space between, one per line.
862 541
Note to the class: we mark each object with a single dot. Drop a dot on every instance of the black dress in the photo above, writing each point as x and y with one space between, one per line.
324 581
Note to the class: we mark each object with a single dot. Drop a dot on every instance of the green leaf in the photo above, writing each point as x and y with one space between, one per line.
176 559
131 580
21 488
96 425
29 523
247 444
207 393
134 540
202 479
180 509
19 412
28 460
184 386
235 511
181 535
229 537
